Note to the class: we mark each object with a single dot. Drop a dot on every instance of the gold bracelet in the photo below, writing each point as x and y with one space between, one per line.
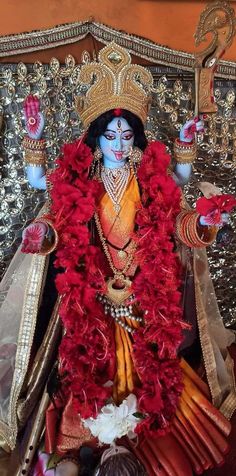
33 144
36 158
34 151
47 246
184 152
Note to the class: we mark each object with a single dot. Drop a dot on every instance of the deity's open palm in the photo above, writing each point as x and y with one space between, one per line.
34 119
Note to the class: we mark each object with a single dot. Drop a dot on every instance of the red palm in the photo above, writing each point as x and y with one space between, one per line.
33 237
33 117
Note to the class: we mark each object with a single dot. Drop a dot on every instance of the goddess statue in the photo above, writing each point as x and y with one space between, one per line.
120 257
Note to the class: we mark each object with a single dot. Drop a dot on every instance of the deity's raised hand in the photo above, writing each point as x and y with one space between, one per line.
187 132
34 119
33 237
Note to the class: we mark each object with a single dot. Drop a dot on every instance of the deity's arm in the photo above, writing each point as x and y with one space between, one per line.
182 174
36 176
33 144
40 236
185 151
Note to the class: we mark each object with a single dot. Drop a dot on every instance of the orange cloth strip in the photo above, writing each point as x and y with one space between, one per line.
125 374
118 229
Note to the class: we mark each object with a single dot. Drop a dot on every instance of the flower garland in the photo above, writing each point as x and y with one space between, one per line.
156 289
87 351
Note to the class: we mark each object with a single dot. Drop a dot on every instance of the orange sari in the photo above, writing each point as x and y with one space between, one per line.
118 230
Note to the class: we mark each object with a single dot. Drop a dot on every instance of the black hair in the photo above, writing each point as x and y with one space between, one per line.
121 464
98 127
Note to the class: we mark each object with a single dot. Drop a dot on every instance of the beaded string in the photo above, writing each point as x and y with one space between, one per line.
117 312
115 182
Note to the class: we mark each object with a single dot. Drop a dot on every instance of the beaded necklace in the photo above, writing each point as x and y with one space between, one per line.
115 181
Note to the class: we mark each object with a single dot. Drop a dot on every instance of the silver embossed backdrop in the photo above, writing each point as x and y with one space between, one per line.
57 86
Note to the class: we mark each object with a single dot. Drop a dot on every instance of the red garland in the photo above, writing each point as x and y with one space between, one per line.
156 288
87 351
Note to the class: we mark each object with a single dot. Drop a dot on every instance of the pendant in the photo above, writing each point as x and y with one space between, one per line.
117 207
122 254
118 290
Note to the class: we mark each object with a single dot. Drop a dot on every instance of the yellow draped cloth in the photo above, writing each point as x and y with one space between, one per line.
118 230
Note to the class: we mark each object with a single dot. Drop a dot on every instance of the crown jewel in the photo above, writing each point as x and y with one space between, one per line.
113 82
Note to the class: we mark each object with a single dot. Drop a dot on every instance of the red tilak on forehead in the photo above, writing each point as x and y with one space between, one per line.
118 112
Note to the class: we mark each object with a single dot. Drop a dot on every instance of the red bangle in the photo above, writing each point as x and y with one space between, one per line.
47 246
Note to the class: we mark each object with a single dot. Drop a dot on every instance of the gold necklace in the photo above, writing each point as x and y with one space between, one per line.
120 251
115 182
119 274
119 287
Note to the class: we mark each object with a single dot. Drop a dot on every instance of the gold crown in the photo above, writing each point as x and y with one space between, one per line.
113 82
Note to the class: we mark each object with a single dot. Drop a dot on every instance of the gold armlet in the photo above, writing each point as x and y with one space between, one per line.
34 151
48 246
191 233
184 152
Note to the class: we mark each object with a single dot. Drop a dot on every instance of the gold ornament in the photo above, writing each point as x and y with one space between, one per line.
122 254
34 152
119 274
36 158
218 18
117 84
96 165
33 144
97 154
118 295
184 152
135 155
115 182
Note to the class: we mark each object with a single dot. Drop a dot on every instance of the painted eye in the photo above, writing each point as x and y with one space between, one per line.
109 136
211 62
127 137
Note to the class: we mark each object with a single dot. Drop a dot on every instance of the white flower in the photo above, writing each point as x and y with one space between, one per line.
114 422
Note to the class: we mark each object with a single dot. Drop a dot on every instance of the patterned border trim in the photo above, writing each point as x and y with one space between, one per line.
25 339
35 280
223 391
73 32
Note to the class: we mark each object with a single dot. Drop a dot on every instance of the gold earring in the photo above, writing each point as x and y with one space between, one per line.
97 154
96 165
135 155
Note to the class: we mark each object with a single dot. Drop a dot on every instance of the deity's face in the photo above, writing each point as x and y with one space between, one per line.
116 142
